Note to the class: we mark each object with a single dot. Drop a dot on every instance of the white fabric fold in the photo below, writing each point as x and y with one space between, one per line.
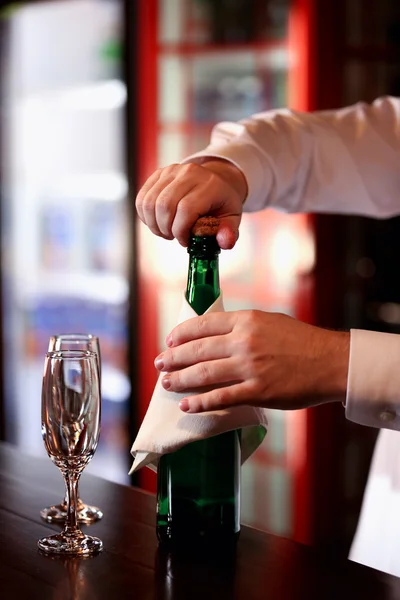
165 428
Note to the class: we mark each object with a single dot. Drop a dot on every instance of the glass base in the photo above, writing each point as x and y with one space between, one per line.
79 544
85 514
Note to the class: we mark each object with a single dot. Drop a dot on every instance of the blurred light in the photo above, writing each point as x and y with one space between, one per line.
250 85
306 258
115 385
167 259
108 95
227 85
110 289
284 254
291 253
104 95
389 313
365 267
100 186
277 59
236 261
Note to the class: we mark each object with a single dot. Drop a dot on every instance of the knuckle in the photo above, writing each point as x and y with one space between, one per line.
176 381
197 350
147 202
201 323
213 179
168 359
204 373
181 234
189 168
175 336
251 322
139 197
166 171
173 360
252 316
158 172
186 210
185 207
164 201
244 345
206 402
218 398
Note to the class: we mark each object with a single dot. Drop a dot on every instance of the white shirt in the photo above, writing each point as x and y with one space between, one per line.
343 161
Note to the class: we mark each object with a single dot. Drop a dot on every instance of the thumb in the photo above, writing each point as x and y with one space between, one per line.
228 231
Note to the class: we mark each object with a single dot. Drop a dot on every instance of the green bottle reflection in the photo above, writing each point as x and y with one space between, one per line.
198 486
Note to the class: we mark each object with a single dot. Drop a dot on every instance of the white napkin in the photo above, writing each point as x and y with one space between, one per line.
165 428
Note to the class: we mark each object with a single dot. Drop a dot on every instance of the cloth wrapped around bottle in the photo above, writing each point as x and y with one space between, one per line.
165 428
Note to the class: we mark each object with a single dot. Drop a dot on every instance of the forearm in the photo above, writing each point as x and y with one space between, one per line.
345 161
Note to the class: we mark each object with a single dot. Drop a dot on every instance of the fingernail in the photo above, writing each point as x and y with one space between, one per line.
159 363
184 405
166 382
168 340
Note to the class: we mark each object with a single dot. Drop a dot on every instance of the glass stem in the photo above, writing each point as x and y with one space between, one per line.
78 500
71 483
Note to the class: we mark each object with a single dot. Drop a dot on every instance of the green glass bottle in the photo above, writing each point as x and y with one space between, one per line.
198 486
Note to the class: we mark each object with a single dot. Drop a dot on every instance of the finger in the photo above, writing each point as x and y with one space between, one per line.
207 325
194 352
167 202
143 191
221 398
194 205
151 198
197 204
228 231
156 194
204 374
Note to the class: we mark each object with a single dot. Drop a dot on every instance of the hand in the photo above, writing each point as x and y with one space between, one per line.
256 358
173 198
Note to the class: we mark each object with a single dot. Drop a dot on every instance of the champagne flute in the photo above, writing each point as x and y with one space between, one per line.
74 341
71 410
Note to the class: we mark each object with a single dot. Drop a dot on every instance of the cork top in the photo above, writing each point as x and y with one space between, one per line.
205 227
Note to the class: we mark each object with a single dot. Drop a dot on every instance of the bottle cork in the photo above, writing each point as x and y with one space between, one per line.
206 226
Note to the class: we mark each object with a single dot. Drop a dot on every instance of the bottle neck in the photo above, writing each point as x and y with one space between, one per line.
203 274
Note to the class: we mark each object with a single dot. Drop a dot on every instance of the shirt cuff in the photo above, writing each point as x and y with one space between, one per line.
373 387
245 158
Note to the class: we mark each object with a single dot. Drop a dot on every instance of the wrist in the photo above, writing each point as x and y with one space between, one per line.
230 173
337 365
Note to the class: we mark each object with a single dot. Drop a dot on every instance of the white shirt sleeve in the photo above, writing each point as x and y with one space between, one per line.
343 161
373 385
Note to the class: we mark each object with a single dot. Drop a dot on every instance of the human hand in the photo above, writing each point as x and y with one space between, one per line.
255 358
173 198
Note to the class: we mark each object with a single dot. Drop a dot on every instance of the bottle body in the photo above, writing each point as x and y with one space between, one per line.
198 491
198 486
